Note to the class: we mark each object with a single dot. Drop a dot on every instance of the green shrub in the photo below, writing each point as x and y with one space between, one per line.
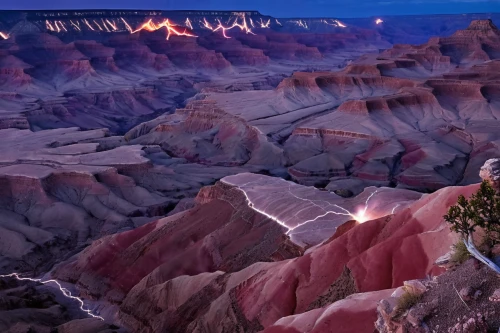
482 210
406 302
460 254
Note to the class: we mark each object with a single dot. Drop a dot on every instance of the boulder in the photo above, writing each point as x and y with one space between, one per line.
490 172
495 297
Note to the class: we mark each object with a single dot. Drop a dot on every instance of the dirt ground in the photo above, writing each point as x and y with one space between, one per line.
451 308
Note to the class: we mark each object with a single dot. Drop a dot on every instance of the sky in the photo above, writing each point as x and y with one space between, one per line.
279 8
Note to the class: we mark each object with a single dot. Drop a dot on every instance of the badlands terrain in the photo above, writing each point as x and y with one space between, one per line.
231 171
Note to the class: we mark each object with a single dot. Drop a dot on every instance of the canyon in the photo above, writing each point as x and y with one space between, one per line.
211 171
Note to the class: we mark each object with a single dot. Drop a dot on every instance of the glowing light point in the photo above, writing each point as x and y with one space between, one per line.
4 35
361 217
379 21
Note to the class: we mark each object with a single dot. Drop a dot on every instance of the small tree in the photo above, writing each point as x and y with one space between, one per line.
482 210
486 205
462 217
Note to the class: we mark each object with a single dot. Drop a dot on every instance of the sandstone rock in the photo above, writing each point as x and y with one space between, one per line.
475 324
495 297
385 314
414 287
467 293
361 249
490 171
88 325
356 313
344 193
444 259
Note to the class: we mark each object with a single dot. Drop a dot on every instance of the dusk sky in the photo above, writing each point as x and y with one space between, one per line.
280 8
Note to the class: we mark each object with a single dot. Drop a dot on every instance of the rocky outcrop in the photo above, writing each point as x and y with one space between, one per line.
233 237
234 51
490 172
186 53
355 313
288 292
356 256
204 133
456 301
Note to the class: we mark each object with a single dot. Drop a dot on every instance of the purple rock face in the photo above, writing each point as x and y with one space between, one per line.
186 173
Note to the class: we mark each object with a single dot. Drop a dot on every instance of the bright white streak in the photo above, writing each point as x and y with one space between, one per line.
188 24
77 26
358 217
342 25
63 290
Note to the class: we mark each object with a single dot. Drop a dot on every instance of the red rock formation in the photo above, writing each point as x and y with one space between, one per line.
129 51
12 72
314 275
234 51
367 257
186 53
191 250
356 313
280 46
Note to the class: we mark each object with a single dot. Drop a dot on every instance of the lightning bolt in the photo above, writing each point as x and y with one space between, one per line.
4 35
104 25
63 26
265 24
340 24
63 290
278 22
334 23
88 24
100 28
301 23
394 209
242 26
49 26
327 208
171 28
77 25
127 26
112 24
188 24
57 26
